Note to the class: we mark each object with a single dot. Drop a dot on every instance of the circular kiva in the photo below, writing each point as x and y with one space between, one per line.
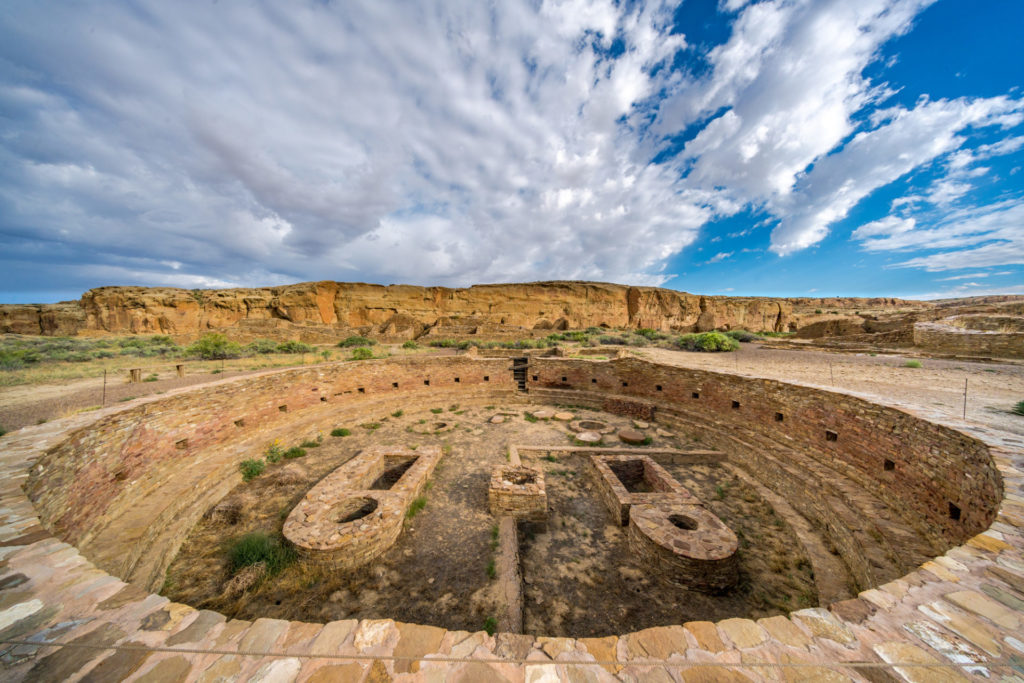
115 491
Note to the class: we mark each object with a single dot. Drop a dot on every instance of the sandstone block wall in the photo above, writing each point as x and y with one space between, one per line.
128 488
943 337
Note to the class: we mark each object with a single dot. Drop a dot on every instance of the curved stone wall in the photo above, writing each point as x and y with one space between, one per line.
92 478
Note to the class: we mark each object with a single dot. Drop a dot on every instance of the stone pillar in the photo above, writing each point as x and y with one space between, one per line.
135 375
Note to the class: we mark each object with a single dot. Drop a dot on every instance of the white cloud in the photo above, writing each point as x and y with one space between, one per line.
876 158
975 237
452 142
720 256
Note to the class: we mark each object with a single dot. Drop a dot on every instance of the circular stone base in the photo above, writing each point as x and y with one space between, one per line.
686 544
589 438
632 436
564 417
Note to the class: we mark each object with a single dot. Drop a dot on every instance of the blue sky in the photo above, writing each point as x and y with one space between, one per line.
773 148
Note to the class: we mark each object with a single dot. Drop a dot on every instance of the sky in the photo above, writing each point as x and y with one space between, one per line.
772 148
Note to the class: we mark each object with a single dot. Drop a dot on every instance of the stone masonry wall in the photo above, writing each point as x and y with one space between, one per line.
942 338
933 466
156 461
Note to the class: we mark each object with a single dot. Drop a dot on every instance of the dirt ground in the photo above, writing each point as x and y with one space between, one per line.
583 559
438 572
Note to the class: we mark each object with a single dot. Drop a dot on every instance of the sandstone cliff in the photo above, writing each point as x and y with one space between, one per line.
321 311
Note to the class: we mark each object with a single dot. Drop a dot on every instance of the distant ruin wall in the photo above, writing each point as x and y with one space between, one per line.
945 336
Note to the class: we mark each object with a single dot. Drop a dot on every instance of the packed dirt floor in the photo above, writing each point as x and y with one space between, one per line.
440 571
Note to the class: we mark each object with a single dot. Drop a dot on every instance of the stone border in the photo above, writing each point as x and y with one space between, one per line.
318 536
618 499
959 614
702 558
527 500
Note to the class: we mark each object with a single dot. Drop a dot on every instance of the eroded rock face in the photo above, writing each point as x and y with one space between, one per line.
319 311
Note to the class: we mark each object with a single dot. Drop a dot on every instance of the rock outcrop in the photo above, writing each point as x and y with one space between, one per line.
320 311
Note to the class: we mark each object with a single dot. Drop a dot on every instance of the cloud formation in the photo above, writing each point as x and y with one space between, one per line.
451 142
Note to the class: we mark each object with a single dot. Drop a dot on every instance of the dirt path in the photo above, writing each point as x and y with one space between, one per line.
32 404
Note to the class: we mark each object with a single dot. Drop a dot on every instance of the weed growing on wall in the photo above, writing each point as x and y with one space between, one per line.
274 452
251 468
417 504
1019 409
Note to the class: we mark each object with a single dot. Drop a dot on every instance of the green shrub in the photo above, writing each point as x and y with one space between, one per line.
295 452
340 431
251 468
610 340
1019 409
257 547
410 344
576 336
356 340
912 364
292 346
707 341
214 346
13 359
262 346
370 425
490 625
818 311
742 336
492 570
361 353
310 444
398 413
648 333
4 431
